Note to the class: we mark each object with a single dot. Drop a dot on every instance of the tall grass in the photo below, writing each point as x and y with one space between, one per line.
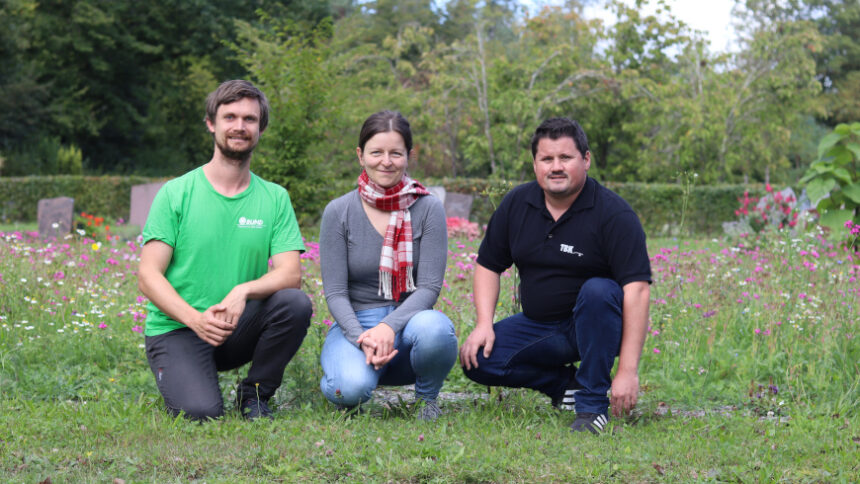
750 372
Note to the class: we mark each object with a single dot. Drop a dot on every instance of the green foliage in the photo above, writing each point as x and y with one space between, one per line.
69 160
46 156
658 205
291 64
743 334
124 83
833 180
106 196
838 61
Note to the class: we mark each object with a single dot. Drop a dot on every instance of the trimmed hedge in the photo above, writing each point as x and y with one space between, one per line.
106 196
658 205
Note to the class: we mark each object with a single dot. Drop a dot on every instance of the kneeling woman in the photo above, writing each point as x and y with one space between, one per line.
383 249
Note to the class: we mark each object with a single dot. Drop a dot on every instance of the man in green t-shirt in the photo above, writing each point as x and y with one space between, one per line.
220 266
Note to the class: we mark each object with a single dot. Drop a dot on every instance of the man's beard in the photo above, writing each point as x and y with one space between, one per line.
237 155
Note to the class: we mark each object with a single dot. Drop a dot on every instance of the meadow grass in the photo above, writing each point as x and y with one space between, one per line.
750 373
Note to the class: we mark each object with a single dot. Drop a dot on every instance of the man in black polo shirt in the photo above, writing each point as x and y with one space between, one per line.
585 275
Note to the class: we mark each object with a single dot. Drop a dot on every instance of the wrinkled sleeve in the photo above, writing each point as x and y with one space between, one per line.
333 264
495 250
286 235
624 241
162 223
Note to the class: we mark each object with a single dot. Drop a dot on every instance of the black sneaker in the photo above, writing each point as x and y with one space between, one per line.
566 400
591 422
254 408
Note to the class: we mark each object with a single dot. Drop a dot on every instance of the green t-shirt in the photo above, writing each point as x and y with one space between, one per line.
218 242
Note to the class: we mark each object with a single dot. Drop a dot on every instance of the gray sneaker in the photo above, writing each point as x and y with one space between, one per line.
429 412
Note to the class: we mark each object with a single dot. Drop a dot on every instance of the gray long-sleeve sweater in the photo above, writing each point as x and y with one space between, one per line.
349 257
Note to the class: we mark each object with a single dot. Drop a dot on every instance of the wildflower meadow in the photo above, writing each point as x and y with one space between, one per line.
749 373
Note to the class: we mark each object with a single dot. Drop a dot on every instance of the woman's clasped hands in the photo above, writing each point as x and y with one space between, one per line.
378 345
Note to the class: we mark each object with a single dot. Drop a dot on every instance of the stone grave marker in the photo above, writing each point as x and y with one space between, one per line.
439 192
141 199
458 205
55 216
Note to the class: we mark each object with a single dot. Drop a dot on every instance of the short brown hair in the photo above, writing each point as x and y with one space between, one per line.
232 91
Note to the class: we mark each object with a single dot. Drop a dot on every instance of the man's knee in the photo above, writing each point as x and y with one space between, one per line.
199 410
487 372
600 288
293 304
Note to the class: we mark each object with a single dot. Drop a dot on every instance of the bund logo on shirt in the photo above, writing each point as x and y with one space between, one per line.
568 249
250 223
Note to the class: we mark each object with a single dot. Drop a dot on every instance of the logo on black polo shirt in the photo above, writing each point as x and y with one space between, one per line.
568 249
250 223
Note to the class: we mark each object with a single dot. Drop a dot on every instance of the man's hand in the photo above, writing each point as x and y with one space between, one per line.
480 336
625 385
625 392
233 304
378 345
210 327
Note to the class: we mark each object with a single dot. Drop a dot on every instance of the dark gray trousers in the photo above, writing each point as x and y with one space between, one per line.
268 334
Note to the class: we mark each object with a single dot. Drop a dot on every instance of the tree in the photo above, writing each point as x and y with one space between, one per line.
838 59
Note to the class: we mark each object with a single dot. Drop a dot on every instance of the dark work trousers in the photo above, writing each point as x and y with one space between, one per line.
533 354
268 334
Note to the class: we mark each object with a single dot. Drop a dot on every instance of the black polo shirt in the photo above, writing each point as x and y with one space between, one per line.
598 236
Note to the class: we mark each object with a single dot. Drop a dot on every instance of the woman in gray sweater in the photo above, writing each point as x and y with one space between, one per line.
383 249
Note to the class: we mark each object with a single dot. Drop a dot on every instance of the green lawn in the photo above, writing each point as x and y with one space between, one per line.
750 373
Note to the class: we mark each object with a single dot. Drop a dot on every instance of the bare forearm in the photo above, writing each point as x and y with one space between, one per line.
634 326
157 288
486 294
286 273
271 282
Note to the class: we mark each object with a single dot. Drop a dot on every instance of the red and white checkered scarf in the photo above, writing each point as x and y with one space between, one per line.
395 262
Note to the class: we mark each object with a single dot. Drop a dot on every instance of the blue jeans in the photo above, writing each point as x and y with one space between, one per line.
427 350
533 354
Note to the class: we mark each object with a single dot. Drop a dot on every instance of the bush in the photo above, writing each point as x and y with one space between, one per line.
108 196
834 178
659 206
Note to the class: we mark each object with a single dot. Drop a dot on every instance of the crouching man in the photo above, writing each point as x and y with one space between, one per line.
581 255
215 304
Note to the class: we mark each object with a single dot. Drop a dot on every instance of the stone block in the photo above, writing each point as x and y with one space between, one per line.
141 199
458 205
55 216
